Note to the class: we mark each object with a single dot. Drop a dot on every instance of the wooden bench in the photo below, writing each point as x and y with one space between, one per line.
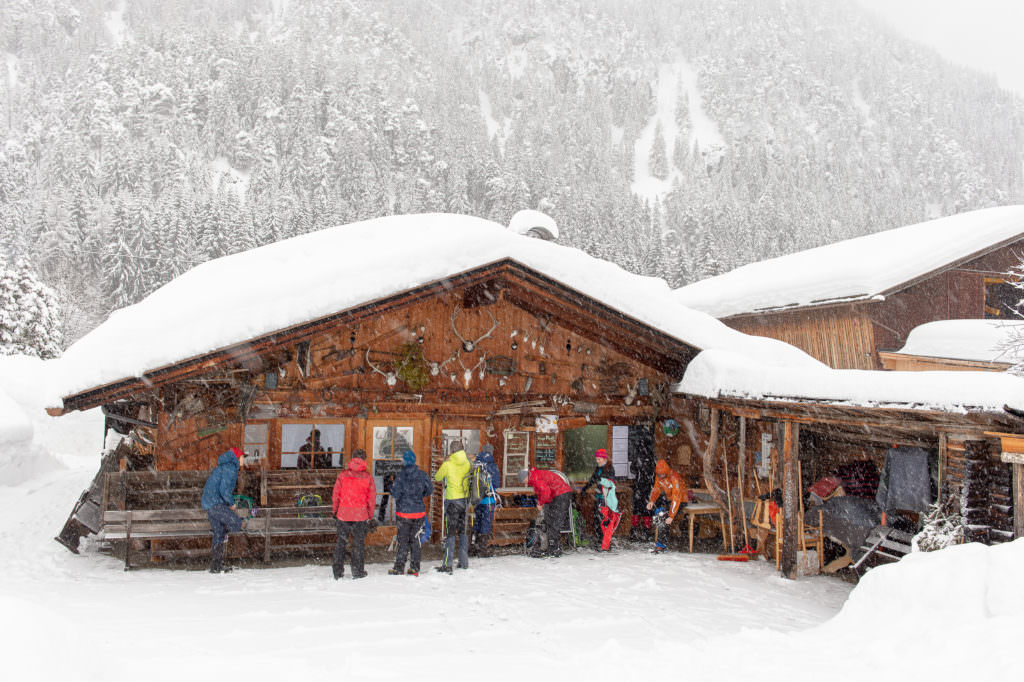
510 525
151 526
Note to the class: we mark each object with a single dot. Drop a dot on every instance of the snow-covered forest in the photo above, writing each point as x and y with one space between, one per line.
678 138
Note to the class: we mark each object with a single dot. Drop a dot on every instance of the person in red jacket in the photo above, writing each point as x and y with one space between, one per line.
553 497
354 498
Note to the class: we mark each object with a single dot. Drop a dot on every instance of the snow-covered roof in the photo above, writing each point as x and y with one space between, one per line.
722 374
981 340
856 269
237 298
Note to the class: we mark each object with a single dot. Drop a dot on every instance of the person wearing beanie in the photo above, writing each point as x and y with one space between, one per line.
456 501
609 511
483 513
218 501
410 488
603 469
671 485
553 497
353 500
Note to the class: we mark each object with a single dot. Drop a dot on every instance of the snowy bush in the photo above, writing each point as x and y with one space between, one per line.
29 313
943 527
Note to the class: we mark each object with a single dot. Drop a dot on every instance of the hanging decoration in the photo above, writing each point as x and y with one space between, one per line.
390 377
411 367
467 345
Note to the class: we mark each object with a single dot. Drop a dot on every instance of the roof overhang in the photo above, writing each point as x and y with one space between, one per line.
521 285
882 424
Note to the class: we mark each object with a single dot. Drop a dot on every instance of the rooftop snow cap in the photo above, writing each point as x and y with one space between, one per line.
409 457
601 454
524 475
534 224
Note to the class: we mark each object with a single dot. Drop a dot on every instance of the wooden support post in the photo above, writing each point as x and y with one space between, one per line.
266 536
790 497
708 460
741 465
1018 500
943 452
127 539
731 544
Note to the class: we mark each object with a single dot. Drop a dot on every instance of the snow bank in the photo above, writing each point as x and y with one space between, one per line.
714 374
236 298
29 446
982 340
970 585
854 269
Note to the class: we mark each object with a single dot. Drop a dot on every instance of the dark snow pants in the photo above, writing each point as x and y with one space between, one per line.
408 544
556 519
358 530
455 525
223 520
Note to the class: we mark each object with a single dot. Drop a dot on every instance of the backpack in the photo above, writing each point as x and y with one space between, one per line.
479 483
310 500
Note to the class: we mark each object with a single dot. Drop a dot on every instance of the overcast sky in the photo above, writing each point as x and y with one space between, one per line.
984 34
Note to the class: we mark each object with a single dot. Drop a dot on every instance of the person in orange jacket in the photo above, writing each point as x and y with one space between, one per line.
671 485
353 500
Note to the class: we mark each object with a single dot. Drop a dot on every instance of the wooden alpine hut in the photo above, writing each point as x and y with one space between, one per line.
408 332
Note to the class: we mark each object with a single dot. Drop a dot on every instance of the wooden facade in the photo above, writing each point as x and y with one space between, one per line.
852 335
498 356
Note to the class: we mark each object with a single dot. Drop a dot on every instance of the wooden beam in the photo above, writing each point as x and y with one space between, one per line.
742 465
790 493
707 457
1018 500
943 456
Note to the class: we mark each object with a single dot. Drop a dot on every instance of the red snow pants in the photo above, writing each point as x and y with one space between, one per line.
609 522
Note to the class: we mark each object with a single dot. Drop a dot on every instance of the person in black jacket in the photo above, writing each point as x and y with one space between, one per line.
604 469
410 487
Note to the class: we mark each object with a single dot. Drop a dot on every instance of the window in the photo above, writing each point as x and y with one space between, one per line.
517 457
1001 299
470 440
389 444
317 446
255 445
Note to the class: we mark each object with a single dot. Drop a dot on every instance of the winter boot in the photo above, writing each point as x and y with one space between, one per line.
217 558
413 571
483 547
395 571
443 569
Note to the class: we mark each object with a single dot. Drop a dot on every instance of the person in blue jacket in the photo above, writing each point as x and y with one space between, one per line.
219 503
411 486
483 513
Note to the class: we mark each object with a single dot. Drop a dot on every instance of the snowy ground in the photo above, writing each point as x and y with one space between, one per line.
948 615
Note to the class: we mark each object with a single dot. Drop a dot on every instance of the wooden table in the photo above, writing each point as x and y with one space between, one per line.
695 509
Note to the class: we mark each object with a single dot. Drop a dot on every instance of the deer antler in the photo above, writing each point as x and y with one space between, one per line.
467 372
467 345
436 367
390 377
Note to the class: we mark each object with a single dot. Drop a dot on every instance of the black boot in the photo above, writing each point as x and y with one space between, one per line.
482 547
217 558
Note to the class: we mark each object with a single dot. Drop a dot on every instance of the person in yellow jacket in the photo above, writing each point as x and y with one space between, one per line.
454 472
